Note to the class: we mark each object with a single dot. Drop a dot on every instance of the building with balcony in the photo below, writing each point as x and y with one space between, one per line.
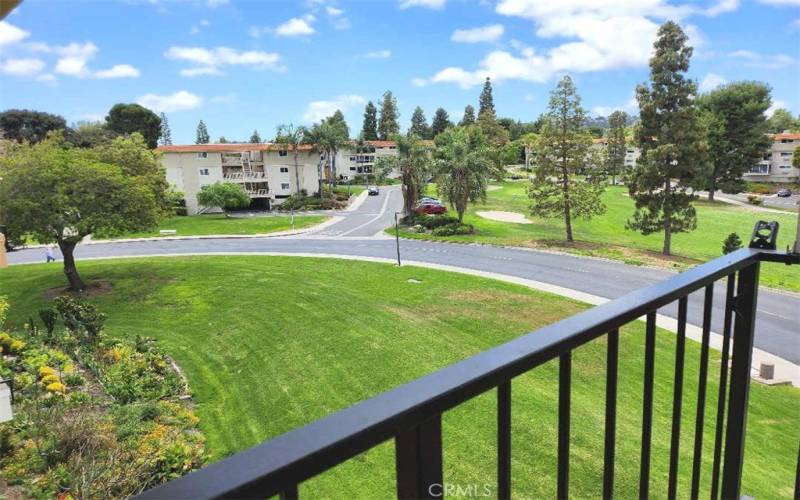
776 164
267 172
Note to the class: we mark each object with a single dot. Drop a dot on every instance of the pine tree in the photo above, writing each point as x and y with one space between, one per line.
486 101
561 153
419 124
369 131
388 124
469 116
338 121
616 147
202 134
166 133
255 138
670 136
441 122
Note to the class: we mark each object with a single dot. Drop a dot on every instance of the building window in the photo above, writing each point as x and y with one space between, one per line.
283 153
759 169
786 155
204 171
352 158
352 169
392 147
367 169
285 170
202 154
767 157
284 186
787 141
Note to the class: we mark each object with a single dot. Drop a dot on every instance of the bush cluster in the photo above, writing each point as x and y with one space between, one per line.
437 225
302 202
453 229
95 418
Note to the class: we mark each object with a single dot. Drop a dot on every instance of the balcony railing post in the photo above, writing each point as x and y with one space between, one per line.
745 310
418 453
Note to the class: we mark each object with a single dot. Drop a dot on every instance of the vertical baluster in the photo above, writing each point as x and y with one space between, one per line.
647 410
701 391
612 357
504 440
677 399
745 309
418 455
290 493
723 383
564 383
797 476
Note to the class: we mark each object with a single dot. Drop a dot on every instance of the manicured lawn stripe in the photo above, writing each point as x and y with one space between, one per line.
272 343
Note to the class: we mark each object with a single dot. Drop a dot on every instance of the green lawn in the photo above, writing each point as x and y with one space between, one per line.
196 225
269 344
606 236
354 189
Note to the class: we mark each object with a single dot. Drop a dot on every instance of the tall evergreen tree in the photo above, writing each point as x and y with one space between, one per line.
469 116
166 133
419 124
129 118
337 120
736 124
441 122
670 137
255 138
388 124
222 140
486 100
561 153
369 131
781 121
616 147
202 134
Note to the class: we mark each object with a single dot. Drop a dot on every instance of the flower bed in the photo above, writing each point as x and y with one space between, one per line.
94 417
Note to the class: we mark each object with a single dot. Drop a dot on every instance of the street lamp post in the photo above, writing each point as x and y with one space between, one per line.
397 237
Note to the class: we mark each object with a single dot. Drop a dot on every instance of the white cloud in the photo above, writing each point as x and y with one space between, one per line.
379 54
296 26
209 61
776 104
599 36
721 7
11 34
198 26
216 3
711 81
333 11
429 4
38 47
419 82
488 33
21 67
630 106
118 71
529 97
317 110
179 101
48 78
337 18
767 61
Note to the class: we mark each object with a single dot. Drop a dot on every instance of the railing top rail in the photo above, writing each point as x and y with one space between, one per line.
305 452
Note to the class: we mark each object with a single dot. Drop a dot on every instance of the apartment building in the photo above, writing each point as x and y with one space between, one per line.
632 153
776 164
267 172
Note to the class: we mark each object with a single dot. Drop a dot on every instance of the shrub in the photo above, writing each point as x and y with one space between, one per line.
754 200
180 211
731 243
453 229
73 380
49 317
49 379
81 318
56 387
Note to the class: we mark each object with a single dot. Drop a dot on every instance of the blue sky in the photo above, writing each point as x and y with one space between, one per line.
250 65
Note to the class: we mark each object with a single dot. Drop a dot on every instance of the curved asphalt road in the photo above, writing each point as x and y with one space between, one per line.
778 321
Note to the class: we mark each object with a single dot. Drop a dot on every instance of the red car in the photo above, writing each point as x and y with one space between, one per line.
429 208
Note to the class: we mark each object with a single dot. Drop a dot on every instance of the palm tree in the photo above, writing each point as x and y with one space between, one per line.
327 138
462 166
413 160
291 137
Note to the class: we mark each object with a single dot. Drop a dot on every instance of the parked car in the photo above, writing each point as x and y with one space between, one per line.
784 193
428 199
373 191
430 208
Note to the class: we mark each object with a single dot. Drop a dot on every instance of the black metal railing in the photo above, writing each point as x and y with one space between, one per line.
411 415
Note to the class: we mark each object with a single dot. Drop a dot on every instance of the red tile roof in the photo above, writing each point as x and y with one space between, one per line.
785 135
227 148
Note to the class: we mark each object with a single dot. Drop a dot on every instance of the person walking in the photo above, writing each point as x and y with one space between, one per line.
50 254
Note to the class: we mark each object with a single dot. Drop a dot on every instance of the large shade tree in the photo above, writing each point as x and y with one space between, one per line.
419 124
671 138
60 194
27 125
562 152
129 118
441 122
462 166
223 195
736 125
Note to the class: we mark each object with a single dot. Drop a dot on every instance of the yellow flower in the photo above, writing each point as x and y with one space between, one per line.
49 379
57 387
46 370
